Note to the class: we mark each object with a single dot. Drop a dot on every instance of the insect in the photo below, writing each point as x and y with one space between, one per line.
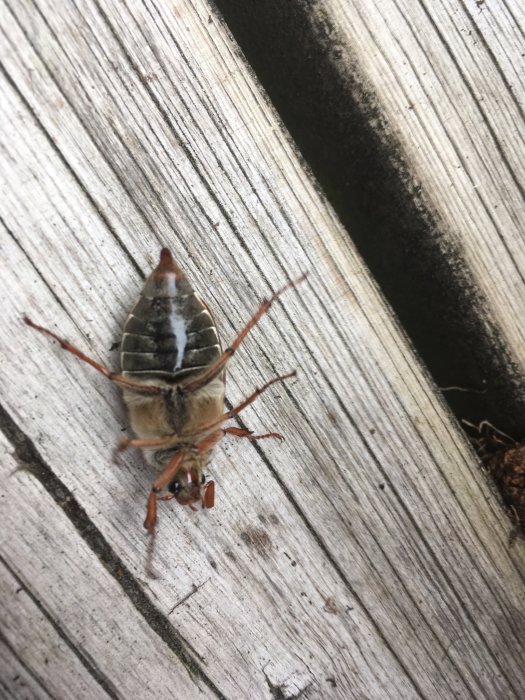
172 374
504 458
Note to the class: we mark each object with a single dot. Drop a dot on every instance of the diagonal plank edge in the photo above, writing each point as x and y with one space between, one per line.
28 459
410 117
365 556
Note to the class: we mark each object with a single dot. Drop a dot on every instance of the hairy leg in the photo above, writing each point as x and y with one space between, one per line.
219 365
130 385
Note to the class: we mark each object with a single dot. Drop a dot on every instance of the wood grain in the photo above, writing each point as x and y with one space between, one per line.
450 80
364 557
410 115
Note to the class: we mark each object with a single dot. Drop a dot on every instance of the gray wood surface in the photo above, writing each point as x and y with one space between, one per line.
450 82
365 556
411 117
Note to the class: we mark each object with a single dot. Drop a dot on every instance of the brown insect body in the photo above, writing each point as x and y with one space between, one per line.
508 469
505 459
168 338
172 377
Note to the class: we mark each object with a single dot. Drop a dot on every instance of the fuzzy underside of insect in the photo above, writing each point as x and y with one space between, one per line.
172 377
168 338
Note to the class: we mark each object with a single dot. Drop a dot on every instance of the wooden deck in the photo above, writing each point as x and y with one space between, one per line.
365 557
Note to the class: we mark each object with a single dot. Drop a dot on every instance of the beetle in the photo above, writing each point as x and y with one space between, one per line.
504 458
172 374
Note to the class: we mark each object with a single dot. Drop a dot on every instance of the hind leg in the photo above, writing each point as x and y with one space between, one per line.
219 365
239 432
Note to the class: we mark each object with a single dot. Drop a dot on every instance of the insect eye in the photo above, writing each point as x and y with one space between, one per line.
203 479
175 486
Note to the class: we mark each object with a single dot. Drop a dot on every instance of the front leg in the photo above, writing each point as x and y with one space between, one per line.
164 478
123 382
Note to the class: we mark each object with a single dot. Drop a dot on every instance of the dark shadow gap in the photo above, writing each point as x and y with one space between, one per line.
328 110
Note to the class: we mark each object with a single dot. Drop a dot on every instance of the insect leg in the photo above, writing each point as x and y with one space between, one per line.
125 443
165 441
217 367
208 497
113 376
237 409
209 441
164 478
250 399
243 432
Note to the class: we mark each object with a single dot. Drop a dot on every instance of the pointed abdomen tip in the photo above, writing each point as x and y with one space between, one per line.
166 259
167 265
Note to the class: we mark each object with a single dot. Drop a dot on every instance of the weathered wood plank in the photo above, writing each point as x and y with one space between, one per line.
450 80
17 681
65 617
411 116
35 642
364 556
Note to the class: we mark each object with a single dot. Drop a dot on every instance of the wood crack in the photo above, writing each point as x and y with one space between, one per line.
28 458
88 663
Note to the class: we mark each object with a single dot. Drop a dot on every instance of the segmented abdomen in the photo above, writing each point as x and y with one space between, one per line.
169 333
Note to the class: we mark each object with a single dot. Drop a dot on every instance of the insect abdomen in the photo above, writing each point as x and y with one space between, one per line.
169 334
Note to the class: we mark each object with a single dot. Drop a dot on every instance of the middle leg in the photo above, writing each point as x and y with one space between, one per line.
240 407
